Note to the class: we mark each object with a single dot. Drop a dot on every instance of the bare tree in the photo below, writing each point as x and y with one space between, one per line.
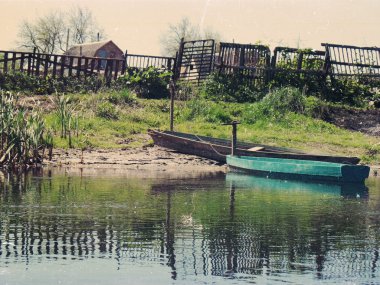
171 39
83 26
49 33
46 34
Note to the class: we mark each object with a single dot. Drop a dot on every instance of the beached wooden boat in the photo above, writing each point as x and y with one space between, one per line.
295 168
217 149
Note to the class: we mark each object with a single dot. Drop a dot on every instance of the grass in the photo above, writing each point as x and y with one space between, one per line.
124 121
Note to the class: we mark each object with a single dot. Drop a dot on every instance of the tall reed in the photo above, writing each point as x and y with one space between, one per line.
65 113
21 132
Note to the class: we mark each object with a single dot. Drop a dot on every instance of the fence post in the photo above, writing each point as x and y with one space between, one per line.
22 62
177 69
34 59
5 67
14 55
46 67
124 65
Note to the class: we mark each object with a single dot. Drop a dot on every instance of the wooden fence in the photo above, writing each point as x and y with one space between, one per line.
344 60
40 64
197 59
144 61
255 61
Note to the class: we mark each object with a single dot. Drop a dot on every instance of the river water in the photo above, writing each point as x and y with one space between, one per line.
186 228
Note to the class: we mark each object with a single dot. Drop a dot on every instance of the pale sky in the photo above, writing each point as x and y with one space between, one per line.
136 25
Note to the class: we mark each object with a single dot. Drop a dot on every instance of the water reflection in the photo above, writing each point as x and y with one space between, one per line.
234 228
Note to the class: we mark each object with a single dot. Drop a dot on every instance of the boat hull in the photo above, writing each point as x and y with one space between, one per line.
299 169
218 149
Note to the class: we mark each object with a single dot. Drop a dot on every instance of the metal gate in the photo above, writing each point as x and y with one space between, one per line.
195 60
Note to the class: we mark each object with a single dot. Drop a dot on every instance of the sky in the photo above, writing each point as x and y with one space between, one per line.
137 25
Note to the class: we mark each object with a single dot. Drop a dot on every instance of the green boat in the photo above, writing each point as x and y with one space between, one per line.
299 169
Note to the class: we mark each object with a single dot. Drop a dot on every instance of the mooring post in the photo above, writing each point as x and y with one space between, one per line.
234 136
172 96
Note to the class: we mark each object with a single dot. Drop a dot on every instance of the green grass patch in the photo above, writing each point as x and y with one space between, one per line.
282 118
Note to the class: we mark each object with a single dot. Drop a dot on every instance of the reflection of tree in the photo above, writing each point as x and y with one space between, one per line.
244 231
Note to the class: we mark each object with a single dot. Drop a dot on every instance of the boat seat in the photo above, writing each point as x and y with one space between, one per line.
256 148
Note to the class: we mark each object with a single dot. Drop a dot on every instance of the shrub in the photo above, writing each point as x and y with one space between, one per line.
276 104
107 111
149 83
230 88
21 82
124 96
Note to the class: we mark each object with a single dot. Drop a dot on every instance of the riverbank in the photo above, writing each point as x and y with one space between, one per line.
142 158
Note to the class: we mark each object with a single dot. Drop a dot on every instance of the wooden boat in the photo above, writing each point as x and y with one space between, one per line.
303 169
217 149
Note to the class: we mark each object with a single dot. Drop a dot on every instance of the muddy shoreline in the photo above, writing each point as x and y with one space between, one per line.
146 158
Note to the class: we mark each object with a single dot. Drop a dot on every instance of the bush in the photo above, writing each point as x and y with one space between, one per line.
275 105
107 111
21 82
230 88
149 83
121 97
209 112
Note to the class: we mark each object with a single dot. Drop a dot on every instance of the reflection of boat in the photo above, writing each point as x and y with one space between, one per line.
217 149
263 183
304 169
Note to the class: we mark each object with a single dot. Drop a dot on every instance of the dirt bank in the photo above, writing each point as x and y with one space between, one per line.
364 121
147 158
136 158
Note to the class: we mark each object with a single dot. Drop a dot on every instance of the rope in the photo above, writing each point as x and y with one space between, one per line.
217 152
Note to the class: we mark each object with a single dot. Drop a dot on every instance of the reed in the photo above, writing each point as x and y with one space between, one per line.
22 133
65 115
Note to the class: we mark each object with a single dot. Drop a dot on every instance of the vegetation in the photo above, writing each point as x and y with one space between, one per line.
284 117
120 115
150 83
22 134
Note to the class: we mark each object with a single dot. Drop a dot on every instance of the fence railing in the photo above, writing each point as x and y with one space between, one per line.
144 61
197 59
344 60
40 64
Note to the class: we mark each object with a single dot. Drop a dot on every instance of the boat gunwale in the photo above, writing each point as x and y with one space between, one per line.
260 153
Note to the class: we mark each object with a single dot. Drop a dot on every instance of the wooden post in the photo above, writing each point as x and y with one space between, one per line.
176 75
55 57
46 65
14 56
124 65
38 64
172 97
234 136
5 67
22 62
177 71
63 62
